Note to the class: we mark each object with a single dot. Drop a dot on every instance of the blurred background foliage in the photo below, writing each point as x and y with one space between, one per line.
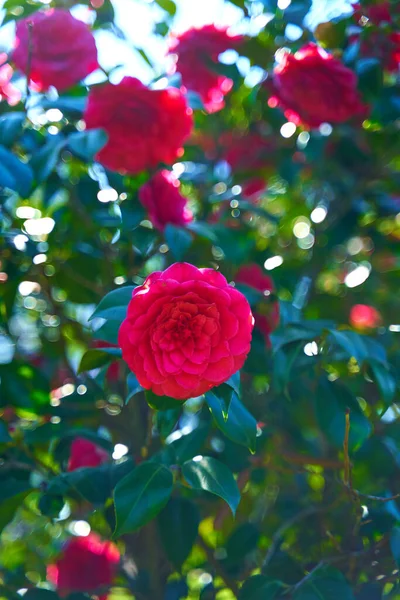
326 227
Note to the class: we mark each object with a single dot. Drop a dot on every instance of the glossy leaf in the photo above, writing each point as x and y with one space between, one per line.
210 475
178 525
140 496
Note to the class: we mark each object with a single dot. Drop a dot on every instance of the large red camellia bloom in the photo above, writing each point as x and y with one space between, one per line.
63 49
314 87
195 50
145 127
85 453
186 331
267 318
87 564
363 316
163 200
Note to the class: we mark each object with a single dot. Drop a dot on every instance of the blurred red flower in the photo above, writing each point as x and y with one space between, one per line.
376 13
87 564
196 50
267 319
145 127
165 204
363 316
314 87
61 49
84 453
8 91
186 331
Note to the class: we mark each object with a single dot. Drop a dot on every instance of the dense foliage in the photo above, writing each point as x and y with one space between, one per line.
167 459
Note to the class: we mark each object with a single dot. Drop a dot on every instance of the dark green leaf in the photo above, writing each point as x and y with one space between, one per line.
395 544
161 402
178 239
140 496
15 174
210 475
178 525
41 594
94 359
134 387
240 426
44 161
168 5
260 587
114 305
11 125
326 584
86 144
5 437
12 495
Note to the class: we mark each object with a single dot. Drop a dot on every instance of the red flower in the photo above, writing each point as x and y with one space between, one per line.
376 13
246 151
84 453
63 49
186 331
363 316
87 564
314 87
7 91
195 50
145 127
163 200
384 46
267 319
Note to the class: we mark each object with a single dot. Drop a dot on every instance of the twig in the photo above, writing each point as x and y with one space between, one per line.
307 577
218 567
277 537
347 468
347 479
29 62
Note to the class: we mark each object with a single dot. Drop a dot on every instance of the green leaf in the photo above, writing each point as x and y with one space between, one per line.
210 475
203 230
94 359
178 526
162 402
326 584
41 594
66 104
134 387
15 174
166 420
140 496
234 382
145 57
178 239
168 5
86 144
385 381
223 393
331 401
195 101
5 437
12 495
189 445
11 125
114 305
260 587
352 343
370 75
395 544
44 161
50 505
240 426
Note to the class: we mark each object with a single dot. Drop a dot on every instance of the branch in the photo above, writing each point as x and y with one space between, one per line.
277 537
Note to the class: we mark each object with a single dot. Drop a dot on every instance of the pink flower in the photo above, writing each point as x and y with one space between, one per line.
163 200
376 13
145 127
87 564
314 87
61 48
186 331
8 92
363 316
267 319
85 453
196 49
